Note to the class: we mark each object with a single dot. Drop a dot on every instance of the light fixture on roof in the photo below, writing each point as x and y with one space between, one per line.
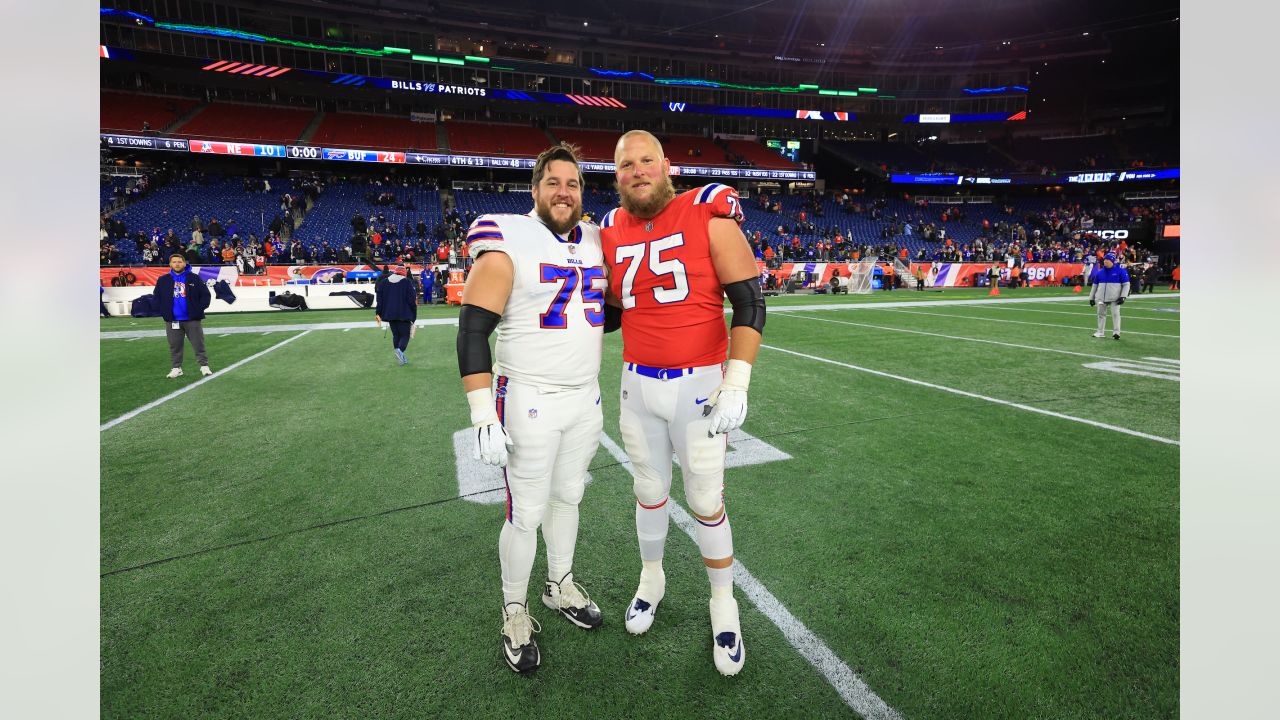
1085 33
584 24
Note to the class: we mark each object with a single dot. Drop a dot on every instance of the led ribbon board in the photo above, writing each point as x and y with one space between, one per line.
309 152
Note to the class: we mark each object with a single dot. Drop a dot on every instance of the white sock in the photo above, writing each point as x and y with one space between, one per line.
715 543
560 533
516 550
651 530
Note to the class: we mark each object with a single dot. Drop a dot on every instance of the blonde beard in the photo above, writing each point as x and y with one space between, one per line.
662 194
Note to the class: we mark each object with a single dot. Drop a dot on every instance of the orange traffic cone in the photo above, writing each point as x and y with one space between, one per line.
995 288
1079 288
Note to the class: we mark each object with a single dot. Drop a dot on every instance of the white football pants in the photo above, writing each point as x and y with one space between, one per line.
555 434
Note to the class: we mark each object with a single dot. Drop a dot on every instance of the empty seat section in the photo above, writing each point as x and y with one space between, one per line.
248 123
502 140
126 112
692 150
596 145
761 156
374 131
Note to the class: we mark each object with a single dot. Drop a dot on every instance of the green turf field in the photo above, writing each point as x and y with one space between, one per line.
972 521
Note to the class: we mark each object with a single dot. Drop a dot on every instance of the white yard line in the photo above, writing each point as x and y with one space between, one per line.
852 688
156 403
265 329
1023 322
949 337
976 396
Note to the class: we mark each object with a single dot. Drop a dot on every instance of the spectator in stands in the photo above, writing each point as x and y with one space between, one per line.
228 254
182 298
215 229
197 224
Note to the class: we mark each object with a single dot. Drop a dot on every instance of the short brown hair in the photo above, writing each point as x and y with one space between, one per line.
563 151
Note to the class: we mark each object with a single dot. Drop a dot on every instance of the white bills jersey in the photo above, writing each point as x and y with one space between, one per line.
552 326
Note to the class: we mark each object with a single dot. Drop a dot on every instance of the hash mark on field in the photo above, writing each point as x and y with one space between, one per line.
965 393
155 403
225 335
133 339
852 689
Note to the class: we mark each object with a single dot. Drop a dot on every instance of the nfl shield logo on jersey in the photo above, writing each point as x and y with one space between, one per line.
573 249
533 414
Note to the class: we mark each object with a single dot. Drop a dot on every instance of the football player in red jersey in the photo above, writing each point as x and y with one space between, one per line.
672 260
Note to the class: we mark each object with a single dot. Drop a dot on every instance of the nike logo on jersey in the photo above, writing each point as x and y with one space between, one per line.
699 401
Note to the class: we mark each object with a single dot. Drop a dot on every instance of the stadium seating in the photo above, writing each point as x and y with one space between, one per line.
247 123
374 131
761 156
330 218
500 140
224 198
596 145
1078 153
126 112
683 149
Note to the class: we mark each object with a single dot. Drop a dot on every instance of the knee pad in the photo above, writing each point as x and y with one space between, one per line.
527 517
570 493
705 499
650 484
650 489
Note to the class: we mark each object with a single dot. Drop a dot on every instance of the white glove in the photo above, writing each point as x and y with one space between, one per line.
728 404
491 438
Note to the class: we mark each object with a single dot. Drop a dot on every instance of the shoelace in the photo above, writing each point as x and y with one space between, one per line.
574 596
519 626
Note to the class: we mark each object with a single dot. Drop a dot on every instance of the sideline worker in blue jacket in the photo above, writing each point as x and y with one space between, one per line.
1110 288
183 298
428 284
398 306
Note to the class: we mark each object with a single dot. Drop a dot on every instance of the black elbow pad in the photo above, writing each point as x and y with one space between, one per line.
475 325
748 304
612 318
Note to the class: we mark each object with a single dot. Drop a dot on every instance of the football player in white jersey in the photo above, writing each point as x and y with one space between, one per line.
539 280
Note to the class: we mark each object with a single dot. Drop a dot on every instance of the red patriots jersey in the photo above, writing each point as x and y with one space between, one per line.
661 270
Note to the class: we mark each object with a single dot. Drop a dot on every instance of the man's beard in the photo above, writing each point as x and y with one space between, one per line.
663 191
544 213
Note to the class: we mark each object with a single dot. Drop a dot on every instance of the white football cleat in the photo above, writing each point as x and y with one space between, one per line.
727 649
1099 334
176 372
644 605
204 370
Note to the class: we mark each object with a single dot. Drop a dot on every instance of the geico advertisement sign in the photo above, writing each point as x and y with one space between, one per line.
1111 234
